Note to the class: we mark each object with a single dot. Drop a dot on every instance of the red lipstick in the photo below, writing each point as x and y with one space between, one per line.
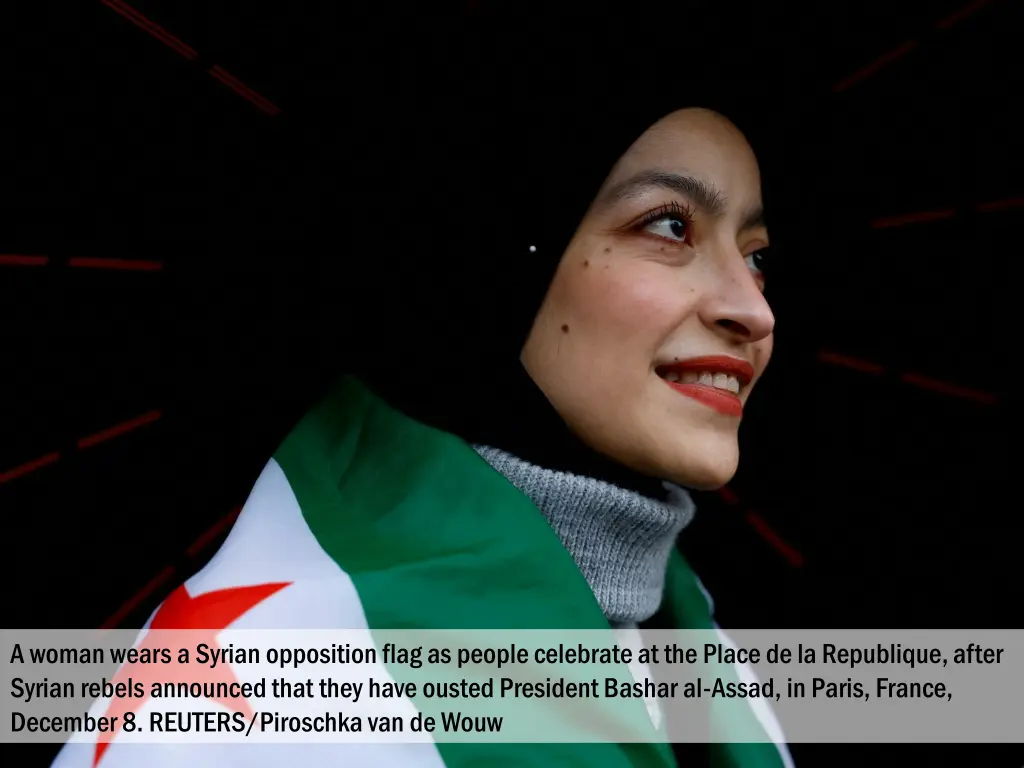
721 400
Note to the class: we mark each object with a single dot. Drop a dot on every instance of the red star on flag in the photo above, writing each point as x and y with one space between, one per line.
210 612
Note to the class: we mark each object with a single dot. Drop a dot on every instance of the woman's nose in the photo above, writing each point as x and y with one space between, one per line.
736 308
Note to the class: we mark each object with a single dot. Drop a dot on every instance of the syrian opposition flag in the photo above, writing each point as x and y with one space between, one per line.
270 573
366 520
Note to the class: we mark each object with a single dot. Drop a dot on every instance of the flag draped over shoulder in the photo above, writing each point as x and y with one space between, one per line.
366 519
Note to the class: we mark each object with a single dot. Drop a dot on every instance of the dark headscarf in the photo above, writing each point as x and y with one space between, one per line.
496 153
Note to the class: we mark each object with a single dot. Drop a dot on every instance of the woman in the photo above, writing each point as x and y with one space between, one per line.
610 348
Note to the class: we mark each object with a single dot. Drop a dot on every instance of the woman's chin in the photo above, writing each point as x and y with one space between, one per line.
700 471
703 482
706 470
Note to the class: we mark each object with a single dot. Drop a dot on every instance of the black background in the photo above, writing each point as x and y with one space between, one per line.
896 501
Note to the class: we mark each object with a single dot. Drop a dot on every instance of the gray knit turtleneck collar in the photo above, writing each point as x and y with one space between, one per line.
620 540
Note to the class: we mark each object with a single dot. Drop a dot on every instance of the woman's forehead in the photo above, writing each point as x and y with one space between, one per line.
699 143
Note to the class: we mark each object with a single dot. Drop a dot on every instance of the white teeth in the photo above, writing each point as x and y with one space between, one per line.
723 381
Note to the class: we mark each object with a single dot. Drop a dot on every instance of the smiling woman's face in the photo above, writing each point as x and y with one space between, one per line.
655 327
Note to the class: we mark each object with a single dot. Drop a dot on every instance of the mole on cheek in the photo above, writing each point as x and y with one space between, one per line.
565 329
607 250
586 264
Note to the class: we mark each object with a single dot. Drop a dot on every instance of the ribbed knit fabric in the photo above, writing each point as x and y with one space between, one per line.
620 540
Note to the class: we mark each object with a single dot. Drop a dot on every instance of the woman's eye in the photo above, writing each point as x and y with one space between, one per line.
670 227
756 262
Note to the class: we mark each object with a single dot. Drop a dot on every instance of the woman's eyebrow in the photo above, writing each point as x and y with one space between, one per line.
753 219
705 195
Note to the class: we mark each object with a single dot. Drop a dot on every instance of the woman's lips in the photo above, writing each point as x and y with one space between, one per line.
715 381
722 401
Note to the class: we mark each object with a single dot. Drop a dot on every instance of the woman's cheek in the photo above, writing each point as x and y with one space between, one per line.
634 297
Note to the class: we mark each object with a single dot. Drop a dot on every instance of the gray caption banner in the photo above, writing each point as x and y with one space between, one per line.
818 686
